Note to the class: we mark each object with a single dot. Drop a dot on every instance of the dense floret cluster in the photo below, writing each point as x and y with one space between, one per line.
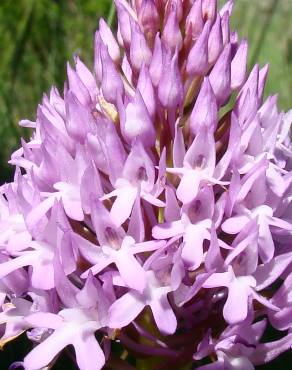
152 205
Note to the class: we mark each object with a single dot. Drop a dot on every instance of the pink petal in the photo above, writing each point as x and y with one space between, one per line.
168 230
189 186
153 200
267 273
44 320
103 262
172 209
192 251
236 307
266 243
234 225
219 279
148 246
125 310
136 227
45 352
73 208
131 271
179 149
42 276
39 211
122 207
27 259
89 355
163 315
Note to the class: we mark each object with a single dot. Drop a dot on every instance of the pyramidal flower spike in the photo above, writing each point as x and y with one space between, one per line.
150 211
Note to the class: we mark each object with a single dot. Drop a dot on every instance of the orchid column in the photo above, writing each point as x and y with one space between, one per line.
150 218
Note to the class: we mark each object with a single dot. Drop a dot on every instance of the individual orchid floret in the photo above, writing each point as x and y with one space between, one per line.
128 307
138 176
240 289
198 166
193 226
264 216
67 190
225 25
71 326
118 248
75 326
86 77
39 255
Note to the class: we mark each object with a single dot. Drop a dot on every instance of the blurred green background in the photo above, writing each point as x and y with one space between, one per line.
37 37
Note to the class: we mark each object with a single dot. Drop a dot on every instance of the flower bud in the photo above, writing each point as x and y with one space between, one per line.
205 112
209 9
97 58
79 118
179 9
145 87
86 77
170 88
77 86
112 84
215 41
124 26
227 7
225 28
220 76
262 81
197 63
246 104
155 68
194 21
149 18
109 40
238 65
136 122
171 34
139 50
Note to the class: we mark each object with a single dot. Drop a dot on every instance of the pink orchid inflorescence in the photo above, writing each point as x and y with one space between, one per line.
150 211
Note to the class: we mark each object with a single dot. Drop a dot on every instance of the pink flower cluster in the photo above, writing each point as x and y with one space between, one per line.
152 205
